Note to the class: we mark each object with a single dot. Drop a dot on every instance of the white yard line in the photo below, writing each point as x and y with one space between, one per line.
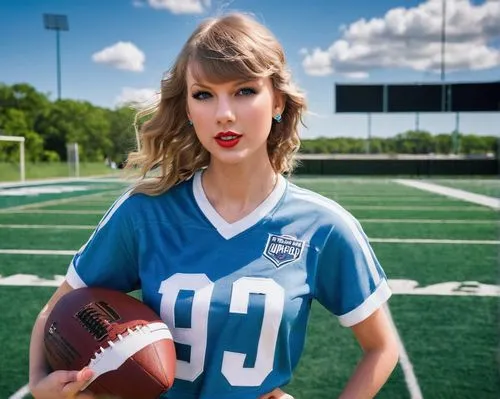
430 221
37 252
416 208
365 221
463 195
47 226
54 211
90 212
404 361
379 240
103 178
49 203
433 241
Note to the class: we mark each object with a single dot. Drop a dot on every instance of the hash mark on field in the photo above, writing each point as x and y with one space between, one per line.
404 360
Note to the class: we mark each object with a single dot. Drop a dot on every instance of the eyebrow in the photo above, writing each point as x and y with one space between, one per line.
236 83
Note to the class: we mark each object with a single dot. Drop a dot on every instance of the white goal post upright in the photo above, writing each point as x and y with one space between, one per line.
20 140
73 159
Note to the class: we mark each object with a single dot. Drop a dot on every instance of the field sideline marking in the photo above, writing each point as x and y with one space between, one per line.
456 193
404 361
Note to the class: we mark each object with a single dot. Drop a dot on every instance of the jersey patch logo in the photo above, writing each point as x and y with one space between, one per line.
282 250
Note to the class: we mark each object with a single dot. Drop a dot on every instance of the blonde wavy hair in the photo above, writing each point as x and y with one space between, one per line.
231 47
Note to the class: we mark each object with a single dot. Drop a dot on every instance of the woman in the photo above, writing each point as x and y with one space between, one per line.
224 248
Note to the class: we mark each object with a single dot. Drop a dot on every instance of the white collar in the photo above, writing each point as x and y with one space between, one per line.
229 230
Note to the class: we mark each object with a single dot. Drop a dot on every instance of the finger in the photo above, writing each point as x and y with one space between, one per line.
80 380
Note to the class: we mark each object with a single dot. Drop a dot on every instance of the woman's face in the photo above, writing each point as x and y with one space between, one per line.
232 120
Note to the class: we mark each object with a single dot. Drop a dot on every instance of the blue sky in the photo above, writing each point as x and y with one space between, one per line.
117 50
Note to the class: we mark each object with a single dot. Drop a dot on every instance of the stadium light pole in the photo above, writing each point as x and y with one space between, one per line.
58 23
443 42
454 135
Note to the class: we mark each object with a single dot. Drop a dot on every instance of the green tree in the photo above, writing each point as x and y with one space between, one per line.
14 122
122 133
71 121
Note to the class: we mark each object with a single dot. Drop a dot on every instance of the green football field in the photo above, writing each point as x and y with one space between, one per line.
440 254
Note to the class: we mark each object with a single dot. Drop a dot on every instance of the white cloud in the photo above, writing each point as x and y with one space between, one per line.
177 6
411 38
137 97
122 55
356 75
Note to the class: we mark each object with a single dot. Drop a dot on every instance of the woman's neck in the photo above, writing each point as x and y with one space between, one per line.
236 190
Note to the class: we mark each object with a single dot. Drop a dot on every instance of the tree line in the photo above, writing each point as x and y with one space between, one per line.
101 132
49 125
410 142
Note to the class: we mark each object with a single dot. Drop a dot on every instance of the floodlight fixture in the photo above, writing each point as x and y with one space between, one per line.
55 22
58 23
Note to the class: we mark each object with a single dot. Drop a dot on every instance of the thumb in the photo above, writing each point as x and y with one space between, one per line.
78 382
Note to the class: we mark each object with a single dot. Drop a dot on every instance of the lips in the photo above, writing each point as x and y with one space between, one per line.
227 139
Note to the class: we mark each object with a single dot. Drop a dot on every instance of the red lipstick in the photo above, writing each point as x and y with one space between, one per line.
227 139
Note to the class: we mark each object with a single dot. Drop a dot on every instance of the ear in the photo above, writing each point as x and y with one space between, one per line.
279 102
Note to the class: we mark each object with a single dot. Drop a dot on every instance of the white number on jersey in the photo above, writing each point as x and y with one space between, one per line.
196 335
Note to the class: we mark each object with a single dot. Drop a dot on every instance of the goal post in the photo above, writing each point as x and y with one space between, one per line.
73 159
20 140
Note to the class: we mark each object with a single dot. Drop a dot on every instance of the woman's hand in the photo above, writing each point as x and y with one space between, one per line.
276 394
63 385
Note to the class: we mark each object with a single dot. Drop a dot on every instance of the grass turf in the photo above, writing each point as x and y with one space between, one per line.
451 341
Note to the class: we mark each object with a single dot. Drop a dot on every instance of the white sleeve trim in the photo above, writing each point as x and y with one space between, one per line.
73 279
381 294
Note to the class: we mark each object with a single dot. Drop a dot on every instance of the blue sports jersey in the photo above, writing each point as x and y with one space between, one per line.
236 296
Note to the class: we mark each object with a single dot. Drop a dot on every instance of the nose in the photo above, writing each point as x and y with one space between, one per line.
225 112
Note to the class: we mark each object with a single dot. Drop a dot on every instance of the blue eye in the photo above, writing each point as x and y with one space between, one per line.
247 91
201 95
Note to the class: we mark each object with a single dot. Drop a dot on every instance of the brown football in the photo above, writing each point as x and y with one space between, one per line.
126 344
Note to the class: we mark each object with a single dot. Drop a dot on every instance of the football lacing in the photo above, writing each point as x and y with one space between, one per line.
94 322
140 329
